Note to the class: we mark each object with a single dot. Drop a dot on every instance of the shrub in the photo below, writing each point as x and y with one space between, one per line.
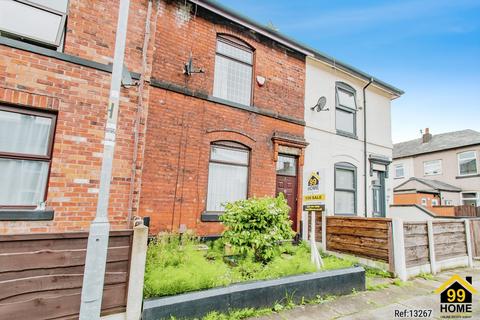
257 226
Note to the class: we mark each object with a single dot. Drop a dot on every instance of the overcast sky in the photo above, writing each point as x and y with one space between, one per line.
428 48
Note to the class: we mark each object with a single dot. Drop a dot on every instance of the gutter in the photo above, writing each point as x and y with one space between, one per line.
365 146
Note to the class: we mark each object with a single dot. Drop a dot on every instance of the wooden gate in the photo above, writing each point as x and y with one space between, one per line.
41 275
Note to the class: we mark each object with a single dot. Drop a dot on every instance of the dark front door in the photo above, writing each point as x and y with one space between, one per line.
378 190
287 184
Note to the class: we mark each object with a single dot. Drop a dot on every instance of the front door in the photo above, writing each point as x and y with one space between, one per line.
287 184
378 190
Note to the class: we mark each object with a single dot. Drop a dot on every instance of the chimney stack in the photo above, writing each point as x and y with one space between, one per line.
427 136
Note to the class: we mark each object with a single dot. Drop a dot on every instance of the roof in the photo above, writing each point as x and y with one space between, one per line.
439 142
239 18
452 280
433 184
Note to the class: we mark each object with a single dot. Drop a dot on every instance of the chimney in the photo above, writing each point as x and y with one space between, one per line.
427 136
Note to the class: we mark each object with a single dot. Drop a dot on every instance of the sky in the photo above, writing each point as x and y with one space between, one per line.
428 48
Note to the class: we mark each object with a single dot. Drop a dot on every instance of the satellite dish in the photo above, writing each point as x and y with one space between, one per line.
321 103
189 69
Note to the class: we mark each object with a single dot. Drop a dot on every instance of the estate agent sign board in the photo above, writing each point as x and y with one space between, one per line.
314 191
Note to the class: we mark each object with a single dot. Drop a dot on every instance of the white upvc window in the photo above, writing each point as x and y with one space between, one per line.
227 175
345 189
449 202
399 171
432 167
233 71
37 21
471 198
424 202
346 109
434 202
467 163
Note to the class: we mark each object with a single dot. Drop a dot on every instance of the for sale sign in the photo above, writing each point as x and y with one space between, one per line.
314 191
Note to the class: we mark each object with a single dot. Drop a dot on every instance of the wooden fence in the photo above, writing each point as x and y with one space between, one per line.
467 211
430 246
408 248
364 237
368 238
41 275
475 232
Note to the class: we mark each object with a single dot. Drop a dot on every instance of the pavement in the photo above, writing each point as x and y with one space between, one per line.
381 303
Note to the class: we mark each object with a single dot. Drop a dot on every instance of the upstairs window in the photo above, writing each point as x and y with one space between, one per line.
432 168
37 21
467 163
346 110
233 71
227 174
26 139
399 171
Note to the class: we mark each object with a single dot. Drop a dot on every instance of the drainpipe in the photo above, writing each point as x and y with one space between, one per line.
365 147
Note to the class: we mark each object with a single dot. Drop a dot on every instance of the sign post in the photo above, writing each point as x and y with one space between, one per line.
314 202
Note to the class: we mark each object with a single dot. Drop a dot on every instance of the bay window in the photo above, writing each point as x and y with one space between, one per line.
233 71
345 189
227 174
467 163
26 139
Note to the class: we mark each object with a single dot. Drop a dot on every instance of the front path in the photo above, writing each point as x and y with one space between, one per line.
381 304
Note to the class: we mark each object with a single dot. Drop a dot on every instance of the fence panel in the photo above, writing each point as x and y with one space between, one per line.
416 243
466 211
41 275
364 237
475 230
449 239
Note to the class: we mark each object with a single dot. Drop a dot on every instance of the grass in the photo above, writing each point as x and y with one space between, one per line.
176 265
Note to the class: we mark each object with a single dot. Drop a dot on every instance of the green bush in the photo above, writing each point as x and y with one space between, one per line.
257 226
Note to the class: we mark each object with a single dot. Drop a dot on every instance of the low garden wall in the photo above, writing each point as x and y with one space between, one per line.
255 294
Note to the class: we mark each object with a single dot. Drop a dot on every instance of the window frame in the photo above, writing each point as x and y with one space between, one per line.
61 30
350 167
229 145
32 157
345 87
433 174
424 202
476 163
239 44
395 170
476 197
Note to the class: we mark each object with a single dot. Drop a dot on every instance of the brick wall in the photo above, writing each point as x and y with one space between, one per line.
79 95
181 128
180 31
170 173
414 198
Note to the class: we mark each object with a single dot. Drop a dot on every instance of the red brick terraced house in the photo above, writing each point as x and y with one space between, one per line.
211 111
